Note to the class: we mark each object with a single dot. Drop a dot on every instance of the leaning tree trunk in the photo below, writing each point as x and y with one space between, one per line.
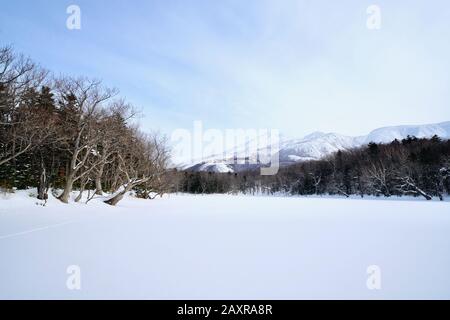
424 194
412 186
79 196
82 188
420 191
114 200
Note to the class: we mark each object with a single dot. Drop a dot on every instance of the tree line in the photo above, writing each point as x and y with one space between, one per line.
72 133
75 134
413 166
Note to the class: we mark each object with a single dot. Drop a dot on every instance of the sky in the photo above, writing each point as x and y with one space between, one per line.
296 66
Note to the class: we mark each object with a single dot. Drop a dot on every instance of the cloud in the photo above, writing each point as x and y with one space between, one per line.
297 66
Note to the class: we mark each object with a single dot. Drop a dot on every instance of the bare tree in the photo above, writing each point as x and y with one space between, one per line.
442 176
378 176
317 178
143 159
81 102
405 179
112 128
22 125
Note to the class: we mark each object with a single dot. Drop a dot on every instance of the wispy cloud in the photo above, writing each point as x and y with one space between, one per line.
294 65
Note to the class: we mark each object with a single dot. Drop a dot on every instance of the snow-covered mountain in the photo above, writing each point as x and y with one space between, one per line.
319 144
388 134
313 146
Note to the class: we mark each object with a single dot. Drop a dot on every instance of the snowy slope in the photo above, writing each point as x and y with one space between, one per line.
314 146
389 134
219 167
225 247
318 145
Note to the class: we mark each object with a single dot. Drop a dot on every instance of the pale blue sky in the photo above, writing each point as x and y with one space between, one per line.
297 66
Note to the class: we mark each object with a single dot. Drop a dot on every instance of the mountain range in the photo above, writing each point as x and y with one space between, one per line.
319 144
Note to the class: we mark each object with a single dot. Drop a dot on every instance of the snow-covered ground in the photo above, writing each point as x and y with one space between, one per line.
220 247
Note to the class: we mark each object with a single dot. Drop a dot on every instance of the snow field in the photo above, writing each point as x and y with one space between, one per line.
224 247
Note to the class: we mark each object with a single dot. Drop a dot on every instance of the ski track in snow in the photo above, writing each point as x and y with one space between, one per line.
35 230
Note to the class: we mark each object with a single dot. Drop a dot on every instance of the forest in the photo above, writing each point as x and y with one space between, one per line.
413 166
72 133
75 134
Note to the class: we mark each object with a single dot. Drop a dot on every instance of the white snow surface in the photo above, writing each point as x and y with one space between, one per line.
224 247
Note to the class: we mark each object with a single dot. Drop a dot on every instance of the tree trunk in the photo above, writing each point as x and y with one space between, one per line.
64 197
98 186
98 182
79 196
420 191
115 184
82 188
411 184
424 194
42 187
114 200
